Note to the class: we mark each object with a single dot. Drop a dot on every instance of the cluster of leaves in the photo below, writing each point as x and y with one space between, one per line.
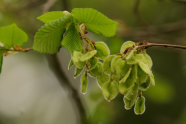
63 29
128 72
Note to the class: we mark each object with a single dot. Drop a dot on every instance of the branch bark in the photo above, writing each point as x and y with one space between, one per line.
64 81
161 45
48 5
55 66
152 31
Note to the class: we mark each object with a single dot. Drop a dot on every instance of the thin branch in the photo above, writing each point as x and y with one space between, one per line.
64 81
143 33
28 6
161 45
55 66
48 5
180 0
75 94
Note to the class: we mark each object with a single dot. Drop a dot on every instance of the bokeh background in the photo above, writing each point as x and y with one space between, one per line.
38 89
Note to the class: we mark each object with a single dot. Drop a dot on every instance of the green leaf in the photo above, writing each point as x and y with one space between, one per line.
95 21
12 35
76 59
72 41
123 80
84 82
121 67
88 55
142 76
98 70
148 71
102 79
78 72
130 98
135 72
148 60
51 16
135 59
114 63
93 61
107 64
125 45
110 90
140 105
131 53
145 67
48 38
102 50
124 87
152 80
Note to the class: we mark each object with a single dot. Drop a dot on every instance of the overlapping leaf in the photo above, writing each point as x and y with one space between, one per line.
48 38
71 40
95 21
51 16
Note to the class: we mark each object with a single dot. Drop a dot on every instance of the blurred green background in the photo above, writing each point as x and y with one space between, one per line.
30 93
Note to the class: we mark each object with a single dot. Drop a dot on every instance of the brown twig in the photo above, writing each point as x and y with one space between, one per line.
55 66
161 45
64 81
180 0
48 5
29 5
151 31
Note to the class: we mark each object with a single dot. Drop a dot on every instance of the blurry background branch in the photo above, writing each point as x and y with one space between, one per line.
137 13
55 66
152 31
181 0
32 4
60 74
48 5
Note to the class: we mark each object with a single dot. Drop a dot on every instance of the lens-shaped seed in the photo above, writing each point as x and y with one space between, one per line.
102 79
125 45
98 70
130 98
110 90
139 105
88 55
102 50
107 64
76 59
84 82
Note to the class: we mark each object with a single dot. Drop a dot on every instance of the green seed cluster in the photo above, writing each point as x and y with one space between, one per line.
128 73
